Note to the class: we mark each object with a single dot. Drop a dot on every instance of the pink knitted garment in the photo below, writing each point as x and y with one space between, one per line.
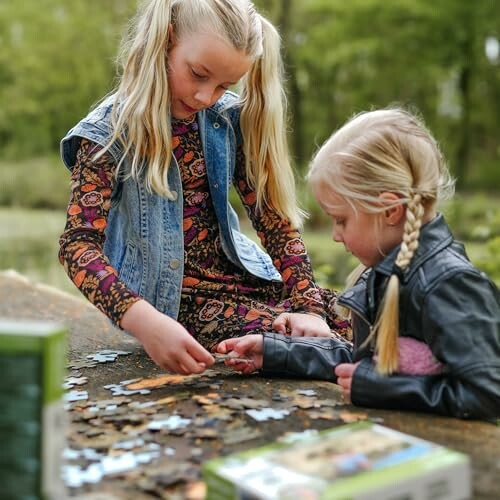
416 358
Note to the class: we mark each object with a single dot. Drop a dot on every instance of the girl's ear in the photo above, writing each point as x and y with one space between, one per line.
171 36
395 212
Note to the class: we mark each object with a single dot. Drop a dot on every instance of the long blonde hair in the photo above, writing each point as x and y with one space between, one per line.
141 111
387 150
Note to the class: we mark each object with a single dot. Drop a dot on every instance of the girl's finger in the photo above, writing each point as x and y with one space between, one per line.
182 369
227 345
221 347
198 354
281 322
245 366
172 366
189 365
344 370
347 396
239 367
242 345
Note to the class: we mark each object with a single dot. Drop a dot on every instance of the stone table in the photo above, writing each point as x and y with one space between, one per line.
112 425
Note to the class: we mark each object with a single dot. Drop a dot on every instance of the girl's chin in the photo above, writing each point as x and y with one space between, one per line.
182 116
182 112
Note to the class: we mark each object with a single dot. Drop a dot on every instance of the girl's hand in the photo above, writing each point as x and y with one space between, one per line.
344 373
165 340
249 347
302 325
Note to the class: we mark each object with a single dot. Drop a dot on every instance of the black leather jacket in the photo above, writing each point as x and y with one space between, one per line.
445 302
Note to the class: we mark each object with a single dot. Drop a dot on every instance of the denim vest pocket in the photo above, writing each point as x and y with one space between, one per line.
127 269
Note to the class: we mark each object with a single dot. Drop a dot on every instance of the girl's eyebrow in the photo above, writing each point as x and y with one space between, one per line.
209 73
205 69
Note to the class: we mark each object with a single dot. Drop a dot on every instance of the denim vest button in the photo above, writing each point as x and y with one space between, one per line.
348 294
175 263
174 195
216 125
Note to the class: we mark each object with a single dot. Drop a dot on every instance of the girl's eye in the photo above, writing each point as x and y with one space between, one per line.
197 75
339 222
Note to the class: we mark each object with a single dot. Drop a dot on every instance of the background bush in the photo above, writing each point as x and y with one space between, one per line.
41 182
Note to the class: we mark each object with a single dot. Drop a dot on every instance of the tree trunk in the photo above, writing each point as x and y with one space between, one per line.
292 87
464 86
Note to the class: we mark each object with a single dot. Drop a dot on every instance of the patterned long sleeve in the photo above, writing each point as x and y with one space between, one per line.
286 247
81 244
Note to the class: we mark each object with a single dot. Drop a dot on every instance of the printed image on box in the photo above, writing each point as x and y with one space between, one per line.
358 461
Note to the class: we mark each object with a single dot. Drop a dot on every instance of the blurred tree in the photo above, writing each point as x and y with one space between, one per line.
461 30
344 61
56 59
343 57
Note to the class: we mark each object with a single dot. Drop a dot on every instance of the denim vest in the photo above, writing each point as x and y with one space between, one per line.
144 235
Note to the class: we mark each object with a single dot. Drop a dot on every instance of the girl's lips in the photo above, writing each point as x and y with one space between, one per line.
189 109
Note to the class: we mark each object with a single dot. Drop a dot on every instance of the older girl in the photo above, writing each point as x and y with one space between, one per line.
151 238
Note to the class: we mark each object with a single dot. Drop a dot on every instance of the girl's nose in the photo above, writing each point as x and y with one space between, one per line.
204 96
336 236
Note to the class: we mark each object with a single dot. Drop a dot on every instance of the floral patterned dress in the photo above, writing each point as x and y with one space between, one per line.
218 299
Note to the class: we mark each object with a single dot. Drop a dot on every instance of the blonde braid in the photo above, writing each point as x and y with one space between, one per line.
387 326
414 214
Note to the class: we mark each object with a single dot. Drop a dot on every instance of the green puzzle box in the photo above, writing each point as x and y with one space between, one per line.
32 420
361 461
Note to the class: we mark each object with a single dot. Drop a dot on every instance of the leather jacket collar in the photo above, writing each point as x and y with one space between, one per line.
434 236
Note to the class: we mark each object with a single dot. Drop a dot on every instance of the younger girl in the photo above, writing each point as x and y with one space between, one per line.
151 238
425 321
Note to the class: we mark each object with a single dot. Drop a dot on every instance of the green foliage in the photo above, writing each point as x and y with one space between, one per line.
474 217
485 175
344 57
56 59
490 263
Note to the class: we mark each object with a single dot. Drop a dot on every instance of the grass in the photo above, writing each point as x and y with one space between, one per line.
29 245
36 183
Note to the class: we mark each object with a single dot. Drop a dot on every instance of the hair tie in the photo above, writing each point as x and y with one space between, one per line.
400 273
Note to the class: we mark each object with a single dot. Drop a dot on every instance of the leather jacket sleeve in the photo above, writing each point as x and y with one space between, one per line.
305 357
461 320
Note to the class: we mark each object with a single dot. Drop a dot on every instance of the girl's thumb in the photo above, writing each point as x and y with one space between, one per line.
280 323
